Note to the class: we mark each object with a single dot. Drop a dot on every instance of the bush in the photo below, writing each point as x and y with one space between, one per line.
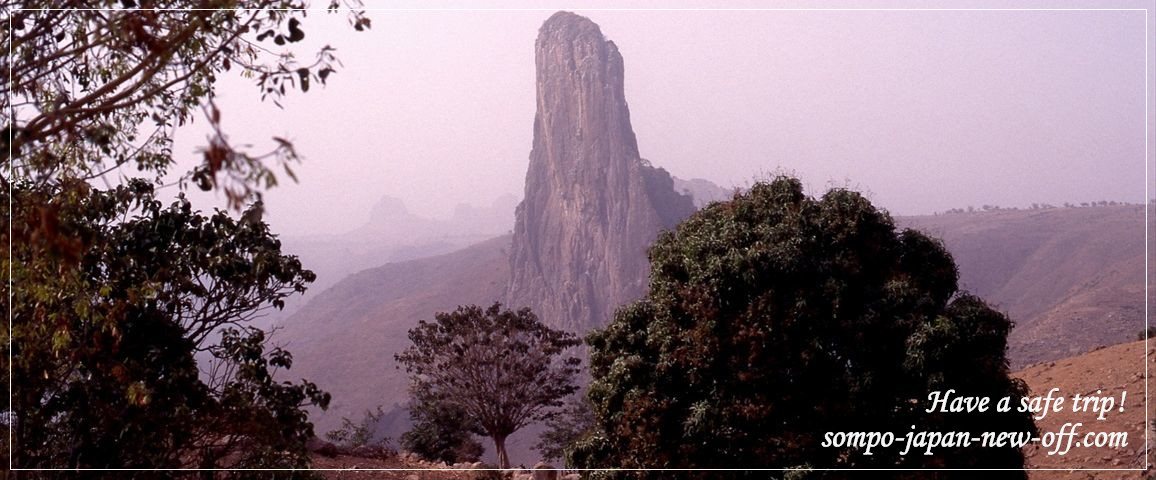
441 433
360 434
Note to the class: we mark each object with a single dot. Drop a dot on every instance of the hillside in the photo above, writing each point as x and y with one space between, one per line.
390 234
345 339
1072 279
1111 370
1054 271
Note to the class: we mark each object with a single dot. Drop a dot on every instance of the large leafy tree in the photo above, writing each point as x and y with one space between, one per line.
776 317
105 344
503 369
131 342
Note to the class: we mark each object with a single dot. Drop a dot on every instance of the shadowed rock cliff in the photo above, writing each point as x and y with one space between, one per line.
592 205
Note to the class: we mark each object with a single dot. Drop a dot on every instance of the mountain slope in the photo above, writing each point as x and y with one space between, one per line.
391 234
1072 279
345 338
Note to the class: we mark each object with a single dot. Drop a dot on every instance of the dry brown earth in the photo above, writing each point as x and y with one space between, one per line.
1110 370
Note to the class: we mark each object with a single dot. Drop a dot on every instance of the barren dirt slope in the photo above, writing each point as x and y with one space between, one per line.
1110 370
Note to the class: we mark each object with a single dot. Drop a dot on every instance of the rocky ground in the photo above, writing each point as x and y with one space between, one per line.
351 462
407 467
1109 370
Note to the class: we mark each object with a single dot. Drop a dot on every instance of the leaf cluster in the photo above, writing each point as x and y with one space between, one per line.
573 424
131 325
136 350
96 86
363 434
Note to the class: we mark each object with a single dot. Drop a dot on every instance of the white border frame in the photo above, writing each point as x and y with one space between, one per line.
1147 427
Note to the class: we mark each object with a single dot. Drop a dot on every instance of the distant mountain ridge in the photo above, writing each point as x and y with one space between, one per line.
1072 279
344 339
702 191
391 234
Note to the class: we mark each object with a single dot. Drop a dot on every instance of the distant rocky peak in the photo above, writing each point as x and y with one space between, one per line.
592 206
388 208
703 191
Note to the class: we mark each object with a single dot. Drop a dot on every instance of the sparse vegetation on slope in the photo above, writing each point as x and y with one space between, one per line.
346 337
1071 279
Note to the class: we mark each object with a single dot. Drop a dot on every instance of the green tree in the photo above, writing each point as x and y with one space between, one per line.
441 432
504 369
132 342
776 317
105 344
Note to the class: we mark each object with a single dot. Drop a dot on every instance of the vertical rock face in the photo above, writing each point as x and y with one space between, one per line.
592 205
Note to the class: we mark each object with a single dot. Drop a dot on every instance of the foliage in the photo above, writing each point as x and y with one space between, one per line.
100 85
573 423
360 434
504 369
130 321
106 343
777 317
441 433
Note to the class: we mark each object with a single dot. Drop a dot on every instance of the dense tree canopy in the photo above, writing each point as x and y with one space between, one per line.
504 369
132 343
776 317
106 344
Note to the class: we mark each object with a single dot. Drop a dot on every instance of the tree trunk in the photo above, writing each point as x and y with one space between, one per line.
500 447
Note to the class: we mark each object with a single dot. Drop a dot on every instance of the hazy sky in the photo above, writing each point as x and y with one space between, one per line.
925 110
